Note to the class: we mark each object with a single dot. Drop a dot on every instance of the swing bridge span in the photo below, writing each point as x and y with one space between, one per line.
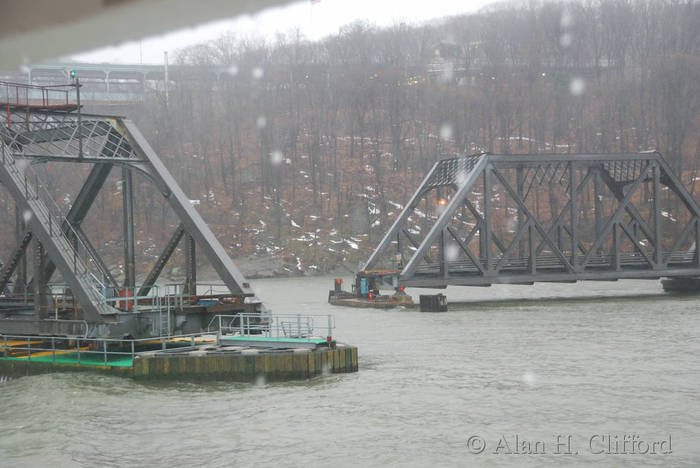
519 219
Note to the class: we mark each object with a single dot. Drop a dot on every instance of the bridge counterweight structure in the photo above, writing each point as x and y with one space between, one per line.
517 219
40 132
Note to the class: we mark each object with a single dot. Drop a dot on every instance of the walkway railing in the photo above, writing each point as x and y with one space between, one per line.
168 297
18 94
81 260
298 326
81 350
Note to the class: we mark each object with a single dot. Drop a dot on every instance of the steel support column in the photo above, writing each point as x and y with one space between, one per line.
20 232
616 246
574 212
697 242
485 236
520 186
597 198
658 241
444 265
532 260
190 266
41 288
128 218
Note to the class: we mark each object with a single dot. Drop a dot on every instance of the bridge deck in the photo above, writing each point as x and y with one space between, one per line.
550 269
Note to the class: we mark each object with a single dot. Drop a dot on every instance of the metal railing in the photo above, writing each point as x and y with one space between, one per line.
26 346
298 326
18 94
212 289
83 263
166 298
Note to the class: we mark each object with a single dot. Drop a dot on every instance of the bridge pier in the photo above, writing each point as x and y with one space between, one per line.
681 285
433 303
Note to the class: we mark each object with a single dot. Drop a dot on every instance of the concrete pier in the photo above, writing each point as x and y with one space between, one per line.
201 362
228 363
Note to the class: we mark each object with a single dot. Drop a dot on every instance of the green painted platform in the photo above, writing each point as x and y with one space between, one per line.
273 339
85 359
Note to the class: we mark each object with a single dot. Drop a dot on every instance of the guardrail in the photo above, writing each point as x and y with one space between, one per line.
83 348
268 325
19 94
83 263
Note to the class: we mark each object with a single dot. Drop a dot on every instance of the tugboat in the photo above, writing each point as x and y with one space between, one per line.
365 293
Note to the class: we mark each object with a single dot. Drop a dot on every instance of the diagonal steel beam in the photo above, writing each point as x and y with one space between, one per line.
74 269
677 186
472 233
615 218
682 237
446 216
92 186
14 259
566 208
79 210
512 246
400 221
180 203
635 242
163 258
481 221
580 244
535 223
466 250
413 243
96 256
631 209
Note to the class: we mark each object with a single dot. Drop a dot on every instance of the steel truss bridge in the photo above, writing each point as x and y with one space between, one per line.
517 219
51 129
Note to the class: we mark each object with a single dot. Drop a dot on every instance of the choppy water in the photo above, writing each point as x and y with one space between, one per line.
427 383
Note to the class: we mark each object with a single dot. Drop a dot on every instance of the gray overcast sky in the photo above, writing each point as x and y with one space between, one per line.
314 20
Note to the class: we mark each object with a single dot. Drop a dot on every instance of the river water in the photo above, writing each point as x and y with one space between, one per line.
560 374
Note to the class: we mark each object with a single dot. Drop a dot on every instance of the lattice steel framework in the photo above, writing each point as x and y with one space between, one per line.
34 134
484 219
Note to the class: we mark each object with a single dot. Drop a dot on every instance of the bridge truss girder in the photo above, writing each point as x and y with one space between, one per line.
33 137
485 219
